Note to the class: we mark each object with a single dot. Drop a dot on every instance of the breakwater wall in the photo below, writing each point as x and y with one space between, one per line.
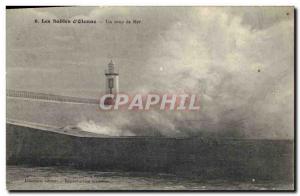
203 158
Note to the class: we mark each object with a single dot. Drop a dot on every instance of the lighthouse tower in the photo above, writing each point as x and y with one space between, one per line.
112 81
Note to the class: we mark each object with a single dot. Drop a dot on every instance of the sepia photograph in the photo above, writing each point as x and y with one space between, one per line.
150 98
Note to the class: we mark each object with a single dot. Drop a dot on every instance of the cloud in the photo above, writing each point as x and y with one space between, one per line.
240 62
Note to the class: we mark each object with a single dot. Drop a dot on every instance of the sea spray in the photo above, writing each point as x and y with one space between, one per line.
91 126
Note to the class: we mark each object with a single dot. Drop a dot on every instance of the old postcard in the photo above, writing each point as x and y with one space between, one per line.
150 98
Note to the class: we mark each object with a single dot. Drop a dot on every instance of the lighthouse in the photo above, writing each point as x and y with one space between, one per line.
112 81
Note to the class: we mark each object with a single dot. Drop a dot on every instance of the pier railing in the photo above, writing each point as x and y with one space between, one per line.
48 97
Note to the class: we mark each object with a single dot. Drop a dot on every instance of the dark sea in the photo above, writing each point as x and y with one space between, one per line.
63 178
